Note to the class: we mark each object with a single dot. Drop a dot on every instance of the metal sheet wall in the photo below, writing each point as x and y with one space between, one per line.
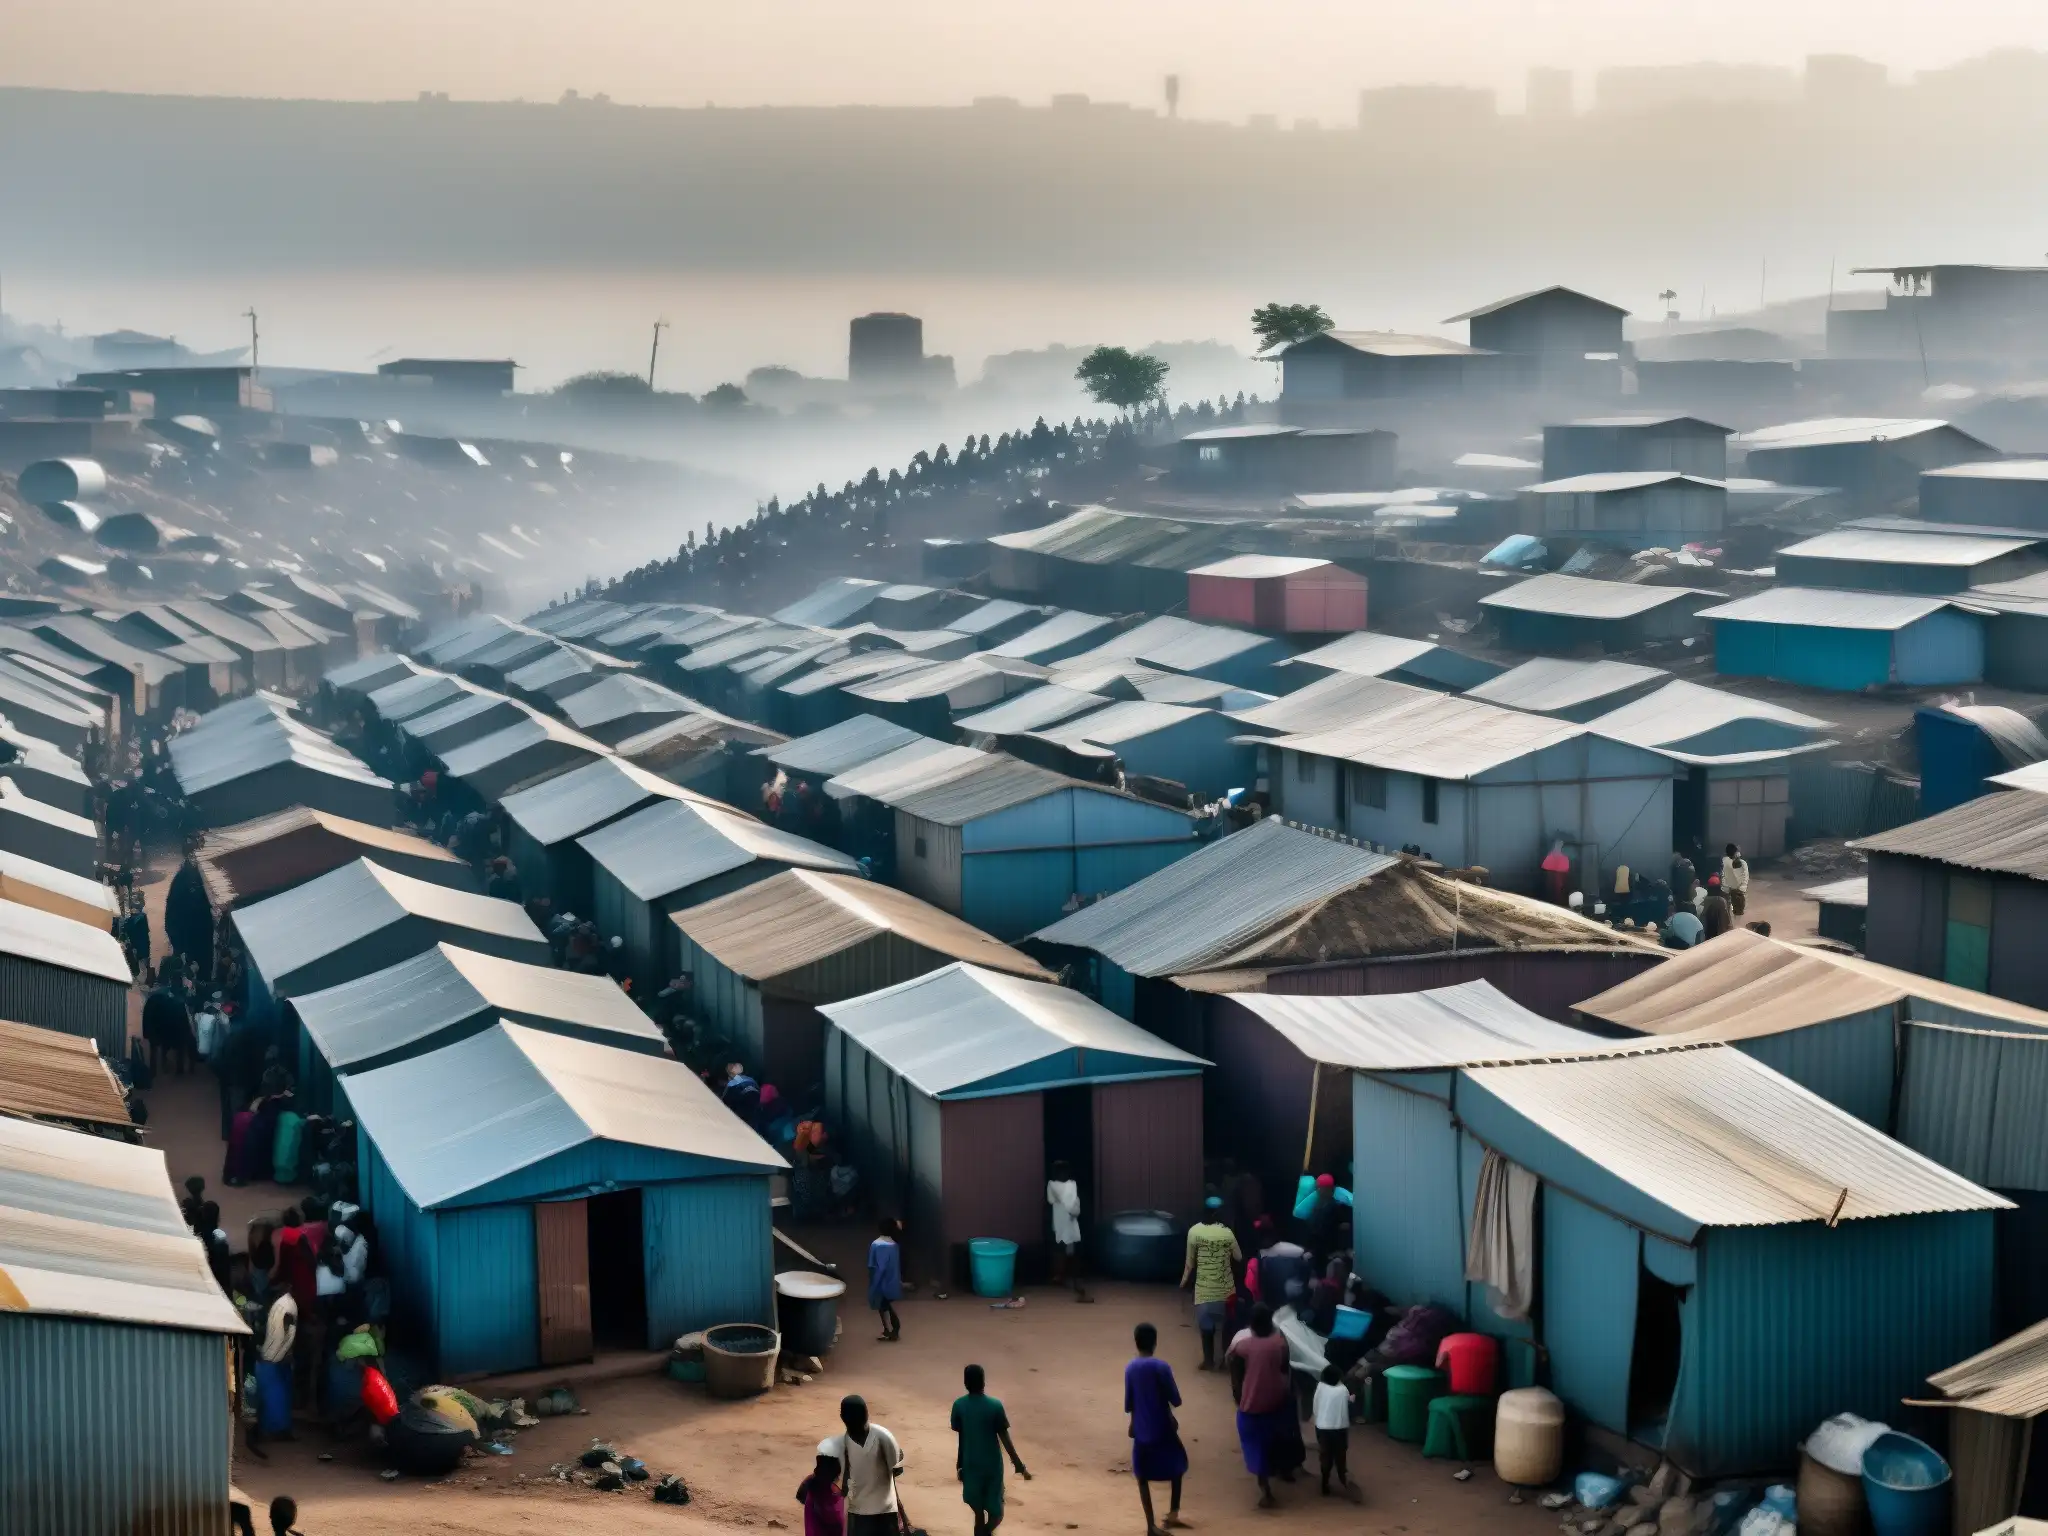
1795 1323
1148 1147
154 1400
1258 1096
993 1162
70 1001
405 1236
1407 1205
710 1255
2019 960
1945 647
1016 893
1846 1061
487 1296
618 911
1590 1265
592 1168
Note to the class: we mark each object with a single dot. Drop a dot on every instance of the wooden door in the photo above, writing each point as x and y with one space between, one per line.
561 1251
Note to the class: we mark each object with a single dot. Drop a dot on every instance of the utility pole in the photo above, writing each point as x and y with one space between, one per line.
654 352
250 315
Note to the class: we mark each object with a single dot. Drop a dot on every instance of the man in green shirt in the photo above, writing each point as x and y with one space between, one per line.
1213 1257
984 1431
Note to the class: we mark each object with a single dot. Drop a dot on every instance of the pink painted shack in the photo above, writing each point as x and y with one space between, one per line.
1283 594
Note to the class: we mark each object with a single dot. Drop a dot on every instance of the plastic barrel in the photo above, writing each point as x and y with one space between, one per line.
1528 1437
992 1264
1473 1360
1410 1391
807 1309
1142 1246
1906 1486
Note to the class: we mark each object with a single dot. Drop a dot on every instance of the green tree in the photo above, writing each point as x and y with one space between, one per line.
1281 325
604 385
726 397
1120 377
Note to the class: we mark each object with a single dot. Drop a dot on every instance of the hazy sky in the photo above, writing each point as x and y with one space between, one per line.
1291 57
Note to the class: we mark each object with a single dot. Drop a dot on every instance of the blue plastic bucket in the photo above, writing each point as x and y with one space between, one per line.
1907 1485
992 1264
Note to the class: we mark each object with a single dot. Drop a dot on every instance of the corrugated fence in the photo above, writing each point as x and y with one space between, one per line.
1849 799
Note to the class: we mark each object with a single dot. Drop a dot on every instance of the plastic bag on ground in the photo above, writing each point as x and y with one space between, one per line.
1596 1490
1764 1521
1839 1444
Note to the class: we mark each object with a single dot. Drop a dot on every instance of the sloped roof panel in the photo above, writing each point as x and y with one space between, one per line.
675 844
1583 597
1469 1025
1550 683
571 803
2004 834
837 748
1826 608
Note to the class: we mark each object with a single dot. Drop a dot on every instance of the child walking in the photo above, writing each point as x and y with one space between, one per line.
885 1280
1332 1413
824 1505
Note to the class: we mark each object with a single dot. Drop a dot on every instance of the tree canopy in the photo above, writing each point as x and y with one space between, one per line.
603 384
1120 377
1280 325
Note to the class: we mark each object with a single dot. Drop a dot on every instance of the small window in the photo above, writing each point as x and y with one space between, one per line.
1304 768
1369 788
917 846
1209 453
1429 801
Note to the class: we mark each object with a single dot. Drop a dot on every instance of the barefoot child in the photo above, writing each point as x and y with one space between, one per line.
1157 1456
885 1280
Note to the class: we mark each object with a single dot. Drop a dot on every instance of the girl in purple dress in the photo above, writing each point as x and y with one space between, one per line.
1157 1456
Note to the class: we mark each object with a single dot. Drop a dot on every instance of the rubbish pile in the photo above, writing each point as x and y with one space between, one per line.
604 1468
1664 1503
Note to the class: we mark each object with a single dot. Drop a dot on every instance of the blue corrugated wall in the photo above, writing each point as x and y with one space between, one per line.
1012 894
1117 989
110 1427
1842 659
710 1255
1944 647
1846 1061
1408 1217
487 1302
1791 1324
1588 1287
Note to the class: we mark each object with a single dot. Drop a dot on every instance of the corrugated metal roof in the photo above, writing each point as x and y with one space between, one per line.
1852 892
570 804
89 1228
1206 645
801 917
36 884
1152 636
1726 1142
837 748
1644 423
1396 344
560 664
2004 834
1260 567
1171 922
417 999
1061 629
1993 469
2015 738
1883 547
625 693
1032 710
1470 1025
1236 434
675 844
474 706
1607 482
243 634
476 756
377 670
526 1096
854 669
1364 654
31 934
995 783
1582 597
1822 608
287 932
253 858
1743 985
1120 723
832 604
687 735
409 696
46 1074
961 1029
991 614
253 734
15 801
1436 734
963 684
1680 711
1098 535
2009 1379
1535 293
35 755
1831 431
915 765
1552 683
2032 778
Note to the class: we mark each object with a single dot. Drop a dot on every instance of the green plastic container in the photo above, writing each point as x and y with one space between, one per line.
1410 1391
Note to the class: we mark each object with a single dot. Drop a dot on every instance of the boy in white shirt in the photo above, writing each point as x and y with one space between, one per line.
1332 1414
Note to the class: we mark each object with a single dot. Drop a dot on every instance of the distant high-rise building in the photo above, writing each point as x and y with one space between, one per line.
1842 79
884 349
1655 87
1549 93
1430 107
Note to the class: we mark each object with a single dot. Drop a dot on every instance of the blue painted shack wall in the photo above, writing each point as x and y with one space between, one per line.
405 1234
155 1399
1200 752
1115 988
1018 867
1589 1277
487 1290
1408 1213
1955 760
1847 1061
1843 659
1788 1325
710 1255
1944 647
593 1168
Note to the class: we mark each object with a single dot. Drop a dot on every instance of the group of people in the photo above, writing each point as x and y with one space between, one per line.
1683 910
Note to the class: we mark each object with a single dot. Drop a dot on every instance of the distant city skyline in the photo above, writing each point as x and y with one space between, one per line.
1289 59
